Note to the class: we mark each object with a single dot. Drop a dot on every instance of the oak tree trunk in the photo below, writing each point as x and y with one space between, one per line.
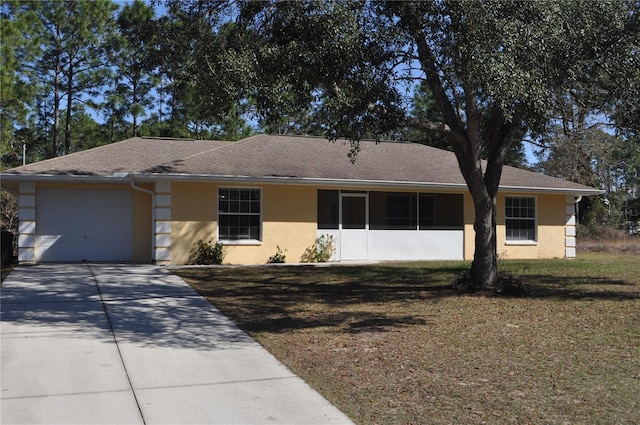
484 268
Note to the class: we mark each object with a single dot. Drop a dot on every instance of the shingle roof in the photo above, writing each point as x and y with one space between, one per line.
287 158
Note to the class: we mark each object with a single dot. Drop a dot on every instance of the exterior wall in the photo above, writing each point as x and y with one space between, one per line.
570 228
193 217
551 220
469 233
142 226
288 221
184 212
27 227
161 217
555 229
27 223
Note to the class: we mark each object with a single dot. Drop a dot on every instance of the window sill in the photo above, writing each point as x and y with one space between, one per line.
523 243
248 242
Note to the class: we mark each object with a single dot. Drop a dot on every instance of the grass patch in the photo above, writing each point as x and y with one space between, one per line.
624 245
393 344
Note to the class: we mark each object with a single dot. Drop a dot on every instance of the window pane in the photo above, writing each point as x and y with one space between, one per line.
328 209
239 213
520 218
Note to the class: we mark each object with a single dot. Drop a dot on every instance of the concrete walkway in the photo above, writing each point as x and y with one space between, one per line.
130 344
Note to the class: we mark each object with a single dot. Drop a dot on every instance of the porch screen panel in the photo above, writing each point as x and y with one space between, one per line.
392 211
354 212
441 211
328 209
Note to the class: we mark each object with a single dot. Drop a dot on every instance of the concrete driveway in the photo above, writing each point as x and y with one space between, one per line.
131 344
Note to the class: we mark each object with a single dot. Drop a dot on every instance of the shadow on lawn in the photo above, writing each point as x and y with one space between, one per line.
363 298
277 299
578 288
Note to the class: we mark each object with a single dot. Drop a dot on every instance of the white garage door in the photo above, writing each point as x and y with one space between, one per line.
84 225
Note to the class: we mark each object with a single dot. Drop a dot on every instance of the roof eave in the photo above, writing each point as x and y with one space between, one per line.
304 181
151 177
63 178
356 183
586 191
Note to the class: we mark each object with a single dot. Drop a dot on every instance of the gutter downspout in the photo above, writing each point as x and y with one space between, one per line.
153 215
577 200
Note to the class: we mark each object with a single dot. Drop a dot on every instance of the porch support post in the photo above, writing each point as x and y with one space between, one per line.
570 228
162 216
27 223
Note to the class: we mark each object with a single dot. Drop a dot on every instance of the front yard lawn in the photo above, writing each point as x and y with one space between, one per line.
393 344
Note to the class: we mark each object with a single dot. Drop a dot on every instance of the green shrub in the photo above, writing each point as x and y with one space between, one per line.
206 253
323 249
278 257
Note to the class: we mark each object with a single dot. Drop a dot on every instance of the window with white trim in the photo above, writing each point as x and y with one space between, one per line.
239 214
520 218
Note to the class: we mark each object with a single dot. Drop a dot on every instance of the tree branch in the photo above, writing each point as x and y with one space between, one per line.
438 127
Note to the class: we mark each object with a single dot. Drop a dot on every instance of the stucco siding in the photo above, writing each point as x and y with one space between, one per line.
142 226
288 221
469 233
550 229
193 217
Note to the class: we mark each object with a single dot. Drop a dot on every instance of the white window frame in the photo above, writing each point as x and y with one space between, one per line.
533 241
240 241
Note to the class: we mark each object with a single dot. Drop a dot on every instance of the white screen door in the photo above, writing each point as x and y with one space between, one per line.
354 226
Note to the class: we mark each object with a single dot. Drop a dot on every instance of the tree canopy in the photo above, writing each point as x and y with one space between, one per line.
477 77
496 71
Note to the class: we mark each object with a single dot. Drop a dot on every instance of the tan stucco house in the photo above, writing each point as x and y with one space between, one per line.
149 200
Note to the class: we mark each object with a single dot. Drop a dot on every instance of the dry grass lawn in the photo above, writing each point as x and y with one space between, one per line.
393 344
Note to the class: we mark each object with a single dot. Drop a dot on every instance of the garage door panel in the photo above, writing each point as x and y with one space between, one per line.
84 225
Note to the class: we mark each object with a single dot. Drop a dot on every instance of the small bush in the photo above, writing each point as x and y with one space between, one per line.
278 257
323 249
206 253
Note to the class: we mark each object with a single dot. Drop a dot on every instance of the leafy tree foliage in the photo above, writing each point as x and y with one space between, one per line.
472 76
15 93
136 62
492 68
130 72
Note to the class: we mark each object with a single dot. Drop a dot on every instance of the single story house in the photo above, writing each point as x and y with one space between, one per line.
150 199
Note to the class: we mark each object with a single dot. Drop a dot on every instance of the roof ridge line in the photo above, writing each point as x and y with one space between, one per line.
213 148
224 144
